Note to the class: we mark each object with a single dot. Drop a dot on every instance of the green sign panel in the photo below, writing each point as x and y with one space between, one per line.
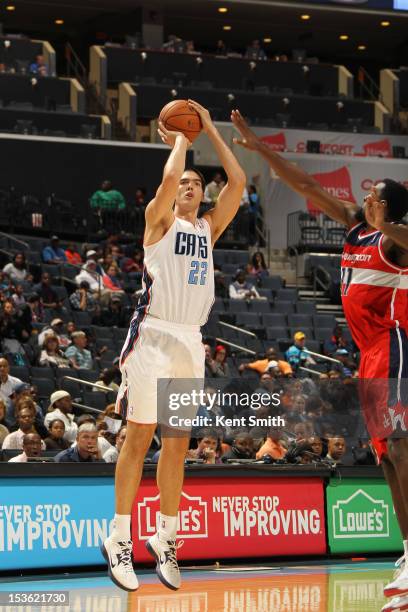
361 517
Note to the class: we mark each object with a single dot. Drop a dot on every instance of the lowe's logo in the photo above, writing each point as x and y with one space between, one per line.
360 516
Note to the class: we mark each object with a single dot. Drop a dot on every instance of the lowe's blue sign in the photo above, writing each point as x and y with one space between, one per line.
51 522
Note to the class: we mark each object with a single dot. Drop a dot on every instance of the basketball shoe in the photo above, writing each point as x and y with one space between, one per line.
397 604
167 568
398 586
118 556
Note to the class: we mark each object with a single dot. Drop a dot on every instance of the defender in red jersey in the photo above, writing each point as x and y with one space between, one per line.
374 292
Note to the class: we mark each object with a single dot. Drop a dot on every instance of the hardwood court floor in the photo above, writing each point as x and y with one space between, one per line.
296 587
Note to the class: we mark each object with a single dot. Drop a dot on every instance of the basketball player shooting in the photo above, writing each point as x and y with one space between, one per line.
375 301
164 340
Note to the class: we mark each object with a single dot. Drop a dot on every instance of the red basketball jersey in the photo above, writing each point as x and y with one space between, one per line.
374 290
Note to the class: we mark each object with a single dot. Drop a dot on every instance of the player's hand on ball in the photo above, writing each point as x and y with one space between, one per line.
375 213
169 137
204 114
249 139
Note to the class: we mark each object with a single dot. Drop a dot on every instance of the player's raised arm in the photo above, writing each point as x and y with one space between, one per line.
230 197
159 211
295 177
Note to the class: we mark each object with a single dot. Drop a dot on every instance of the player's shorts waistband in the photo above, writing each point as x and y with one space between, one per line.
169 325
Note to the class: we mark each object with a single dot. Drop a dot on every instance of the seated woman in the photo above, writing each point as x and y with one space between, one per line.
51 354
55 441
258 267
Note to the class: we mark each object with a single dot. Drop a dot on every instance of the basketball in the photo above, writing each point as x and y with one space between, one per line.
179 117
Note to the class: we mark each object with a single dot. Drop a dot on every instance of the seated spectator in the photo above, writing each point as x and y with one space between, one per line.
55 441
86 449
107 380
208 448
18 297
35 311
61 408
221 48
46 293
13 328
17 269
72 255
84 299
112 454
90 274
31 445
316 445
174 44
112 280
242 448
258 266
51 354
103 444
337 341
297 354
272 447
39 66
220 286
115 315
255 52
217 367
107 199
214 188
240 289
3 429
6 286
262 365
53 253
78 355
132 263
336 450
25 422
8 384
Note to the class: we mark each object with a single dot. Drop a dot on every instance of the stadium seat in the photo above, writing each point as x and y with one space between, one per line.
43 372
45 386
81 319
287 294
219 305
96 399
306 308
237 306
300 320
323 333
274 320
324 320
260 306
21 372
274 333
314 345
248 319
283 306
272 282
73 388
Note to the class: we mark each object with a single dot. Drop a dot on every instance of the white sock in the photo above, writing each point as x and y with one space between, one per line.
167 527
121 528
405 542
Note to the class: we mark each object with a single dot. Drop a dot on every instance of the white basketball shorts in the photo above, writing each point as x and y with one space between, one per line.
156 349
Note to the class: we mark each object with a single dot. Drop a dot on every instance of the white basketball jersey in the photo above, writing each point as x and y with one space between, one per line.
178 279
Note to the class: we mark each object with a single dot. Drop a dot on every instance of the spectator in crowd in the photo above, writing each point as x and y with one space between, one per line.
86 449
217 367
44 290
214 188
31 445
297 354
262 365
78 354
17 269
83 299
221 48
72 255
39 66
254 51
61 408
336 450
96 256
18 297
114 315
13 328
56 329
25 421
336 342
174 44
258 266
107 199
90 274
35 311
51 354
55 440
112 454
8 383
253 213
221 289
316 445
241 289
107 380
132 263
102 442
3 428
112 281
6 286
273 447
23 398
242 448
53 253
208 448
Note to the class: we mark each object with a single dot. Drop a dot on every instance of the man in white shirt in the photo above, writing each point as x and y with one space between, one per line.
60 408
31 448
7 383
240 289
25 420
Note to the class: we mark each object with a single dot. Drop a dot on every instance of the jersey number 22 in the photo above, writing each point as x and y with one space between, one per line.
198 273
